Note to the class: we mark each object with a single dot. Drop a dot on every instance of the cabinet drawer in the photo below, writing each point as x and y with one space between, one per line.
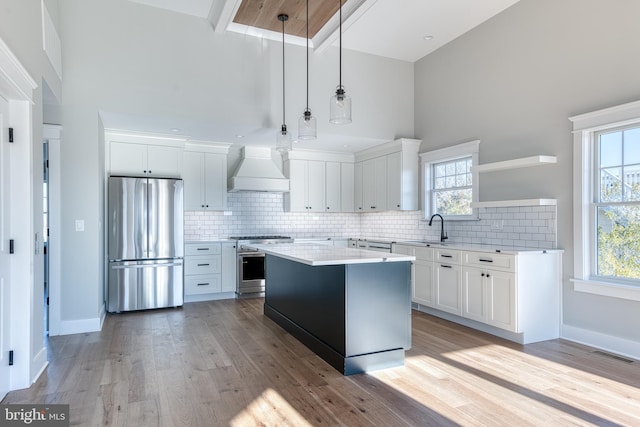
489 260
423 254
194 285
202 249
202 265
447 256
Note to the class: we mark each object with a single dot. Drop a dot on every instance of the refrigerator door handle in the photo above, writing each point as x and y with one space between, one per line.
123 267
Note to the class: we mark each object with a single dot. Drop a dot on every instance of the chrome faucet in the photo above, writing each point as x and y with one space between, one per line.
443 235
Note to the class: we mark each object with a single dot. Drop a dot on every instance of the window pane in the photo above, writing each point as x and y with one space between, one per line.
632 183
461 167
469 180
611 185
453 202
450 181
439 170
632 146
611 149
439 183
618 250
451 168
461 180
469 165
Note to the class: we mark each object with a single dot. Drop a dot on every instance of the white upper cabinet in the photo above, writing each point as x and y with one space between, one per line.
358 187
319 182
145 160
205 181
347 186
333 193
389 177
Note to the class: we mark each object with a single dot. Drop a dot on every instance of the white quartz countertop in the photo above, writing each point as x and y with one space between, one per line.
513 250
315 255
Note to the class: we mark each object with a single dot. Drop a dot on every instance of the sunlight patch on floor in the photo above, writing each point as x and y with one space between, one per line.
270 408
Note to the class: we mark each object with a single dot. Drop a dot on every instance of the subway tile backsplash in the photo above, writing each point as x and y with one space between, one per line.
262 213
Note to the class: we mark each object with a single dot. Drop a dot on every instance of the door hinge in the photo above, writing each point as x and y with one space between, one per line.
10 357
11 246
10 134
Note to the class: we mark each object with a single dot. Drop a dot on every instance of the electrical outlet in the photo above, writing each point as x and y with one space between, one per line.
497 224
79 224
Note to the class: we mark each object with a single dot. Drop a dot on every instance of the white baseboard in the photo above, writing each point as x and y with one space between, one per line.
611 344
69 327
40 363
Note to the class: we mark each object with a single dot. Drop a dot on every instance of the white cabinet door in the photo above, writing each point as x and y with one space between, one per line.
448 282
423 282
130 159
394 181
333 186
297 196
164 161
229 269
501 296
358 187
380 180
215 181
474 305
193 177
368 185
347 187
145 160
316 186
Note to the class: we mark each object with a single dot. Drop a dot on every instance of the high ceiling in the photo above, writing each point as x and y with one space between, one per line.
400 29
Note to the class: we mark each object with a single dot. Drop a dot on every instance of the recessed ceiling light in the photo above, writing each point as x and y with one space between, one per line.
427 38
239 136
175 130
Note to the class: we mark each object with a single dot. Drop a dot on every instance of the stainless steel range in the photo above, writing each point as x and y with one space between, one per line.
251 263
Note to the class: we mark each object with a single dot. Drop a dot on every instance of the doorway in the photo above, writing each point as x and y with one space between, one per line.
5 262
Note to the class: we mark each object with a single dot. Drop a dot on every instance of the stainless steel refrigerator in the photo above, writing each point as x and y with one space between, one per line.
145 243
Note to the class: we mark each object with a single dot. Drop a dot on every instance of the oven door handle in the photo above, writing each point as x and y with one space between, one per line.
250 254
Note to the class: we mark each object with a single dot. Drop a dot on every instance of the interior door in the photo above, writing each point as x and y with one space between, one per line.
5 267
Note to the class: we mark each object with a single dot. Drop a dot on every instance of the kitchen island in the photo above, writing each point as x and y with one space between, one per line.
351 307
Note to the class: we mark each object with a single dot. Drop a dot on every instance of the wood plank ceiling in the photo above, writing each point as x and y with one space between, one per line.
264 14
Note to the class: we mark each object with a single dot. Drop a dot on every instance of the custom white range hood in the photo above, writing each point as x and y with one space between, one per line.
258 172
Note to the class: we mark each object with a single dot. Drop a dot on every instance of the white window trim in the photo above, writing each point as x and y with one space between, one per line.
450 153
584 128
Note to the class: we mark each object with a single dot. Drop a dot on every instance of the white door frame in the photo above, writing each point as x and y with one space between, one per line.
52 133
17 86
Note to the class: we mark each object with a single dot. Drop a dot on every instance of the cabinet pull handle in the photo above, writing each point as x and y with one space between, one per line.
445 266
446 256
203 284
203 249
485 260
202 265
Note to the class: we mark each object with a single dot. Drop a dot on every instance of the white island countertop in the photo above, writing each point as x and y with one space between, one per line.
315 255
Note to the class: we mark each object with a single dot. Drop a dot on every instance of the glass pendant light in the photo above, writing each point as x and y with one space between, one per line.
340 107
307 124
283 137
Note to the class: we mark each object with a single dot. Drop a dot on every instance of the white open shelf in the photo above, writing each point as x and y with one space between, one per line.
512 203
523 162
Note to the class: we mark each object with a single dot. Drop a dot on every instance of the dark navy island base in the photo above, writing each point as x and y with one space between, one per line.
357 317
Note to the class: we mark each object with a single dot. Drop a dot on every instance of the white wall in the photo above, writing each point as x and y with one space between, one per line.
21 30
124 57
512 83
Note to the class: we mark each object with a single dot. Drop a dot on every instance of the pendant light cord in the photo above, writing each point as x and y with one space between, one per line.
340 75
283 111
308 55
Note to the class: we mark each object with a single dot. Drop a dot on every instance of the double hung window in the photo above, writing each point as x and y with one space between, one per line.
449 181
607 202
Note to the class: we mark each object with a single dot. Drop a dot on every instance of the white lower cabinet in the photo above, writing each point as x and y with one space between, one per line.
421 272
517 295
209 270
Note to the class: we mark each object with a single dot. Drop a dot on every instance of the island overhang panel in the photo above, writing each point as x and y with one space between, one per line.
356 316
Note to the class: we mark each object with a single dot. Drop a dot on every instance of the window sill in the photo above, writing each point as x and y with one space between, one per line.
614 290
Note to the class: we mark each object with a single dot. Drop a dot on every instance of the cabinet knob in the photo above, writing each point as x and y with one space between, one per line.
144 171
482 274
328 207
202 206
360 208
207 205
398 206
487 274
150 171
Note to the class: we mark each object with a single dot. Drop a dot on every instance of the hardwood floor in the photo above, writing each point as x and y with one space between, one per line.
224 363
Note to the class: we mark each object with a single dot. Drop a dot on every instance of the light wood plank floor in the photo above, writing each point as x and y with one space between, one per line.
224 363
